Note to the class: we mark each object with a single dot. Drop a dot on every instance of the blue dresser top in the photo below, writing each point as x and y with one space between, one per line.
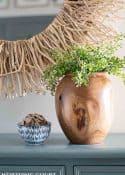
57 146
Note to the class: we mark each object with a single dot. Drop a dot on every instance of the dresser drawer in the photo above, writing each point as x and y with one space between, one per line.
99 170
32 170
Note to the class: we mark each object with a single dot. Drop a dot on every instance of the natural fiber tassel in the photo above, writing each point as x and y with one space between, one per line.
79 22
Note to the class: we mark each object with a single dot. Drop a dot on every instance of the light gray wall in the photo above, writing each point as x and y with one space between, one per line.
12 112
18 23
32 10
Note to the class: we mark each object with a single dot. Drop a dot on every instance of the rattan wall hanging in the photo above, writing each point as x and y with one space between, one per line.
80 21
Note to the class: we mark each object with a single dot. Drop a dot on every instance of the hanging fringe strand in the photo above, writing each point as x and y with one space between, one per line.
79 21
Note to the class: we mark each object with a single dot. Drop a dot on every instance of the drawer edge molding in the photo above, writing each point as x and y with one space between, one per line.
98 169
32 169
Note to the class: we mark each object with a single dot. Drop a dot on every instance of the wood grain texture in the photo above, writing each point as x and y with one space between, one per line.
85 113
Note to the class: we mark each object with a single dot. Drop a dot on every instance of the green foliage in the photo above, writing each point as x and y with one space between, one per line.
82 62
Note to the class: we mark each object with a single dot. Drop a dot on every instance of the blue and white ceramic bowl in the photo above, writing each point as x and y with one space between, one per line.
34 135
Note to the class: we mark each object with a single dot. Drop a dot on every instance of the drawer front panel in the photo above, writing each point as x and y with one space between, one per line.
32 170
99 170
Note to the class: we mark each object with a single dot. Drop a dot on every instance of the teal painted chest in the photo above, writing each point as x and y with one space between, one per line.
58 157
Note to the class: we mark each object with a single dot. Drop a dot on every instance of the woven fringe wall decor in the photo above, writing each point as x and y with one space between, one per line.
22 62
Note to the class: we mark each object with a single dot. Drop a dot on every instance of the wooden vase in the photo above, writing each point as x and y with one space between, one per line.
85 113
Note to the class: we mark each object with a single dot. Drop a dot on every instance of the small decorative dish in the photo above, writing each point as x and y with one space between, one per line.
34 129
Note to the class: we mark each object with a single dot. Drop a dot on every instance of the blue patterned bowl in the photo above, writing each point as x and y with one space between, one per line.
34 135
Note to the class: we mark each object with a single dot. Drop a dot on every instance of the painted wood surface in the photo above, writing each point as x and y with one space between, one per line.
58 157
31 170
99 170
57 146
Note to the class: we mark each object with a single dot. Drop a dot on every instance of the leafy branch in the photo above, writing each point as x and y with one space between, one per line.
82 62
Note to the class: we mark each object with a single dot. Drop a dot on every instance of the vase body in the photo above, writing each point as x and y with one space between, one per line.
85 113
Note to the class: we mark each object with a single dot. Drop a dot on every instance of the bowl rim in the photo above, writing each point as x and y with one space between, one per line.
20 126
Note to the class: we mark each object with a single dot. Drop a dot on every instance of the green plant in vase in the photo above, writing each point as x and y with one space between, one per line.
82 86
